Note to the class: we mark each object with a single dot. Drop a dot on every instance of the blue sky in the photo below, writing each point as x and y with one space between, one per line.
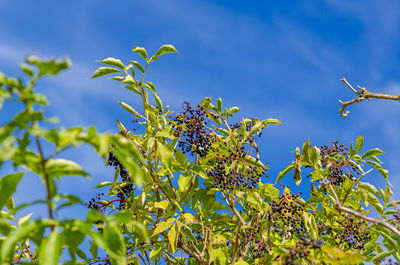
273 59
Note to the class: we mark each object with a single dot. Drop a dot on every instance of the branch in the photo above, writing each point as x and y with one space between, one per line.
46 179
361 95
355 184
236 244
376 221
233 209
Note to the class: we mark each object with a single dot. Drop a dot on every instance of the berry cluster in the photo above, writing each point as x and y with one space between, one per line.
354 232
93 203
397 217
190 127
340 168
389 261
247 177
302 249
254 238
286 215
123 173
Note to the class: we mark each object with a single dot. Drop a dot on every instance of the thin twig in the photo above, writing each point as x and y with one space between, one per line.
376 221
355 184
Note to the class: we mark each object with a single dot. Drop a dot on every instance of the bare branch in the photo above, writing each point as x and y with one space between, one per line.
361 95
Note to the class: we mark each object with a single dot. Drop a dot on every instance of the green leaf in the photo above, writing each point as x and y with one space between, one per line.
359 144
27 69
105 71
103 184
372 153
183 182
138 66
129 109
375 203
81 254
368 187
315 156
50 249
190 218
158 102
121 127
93 249
113 62
61 167
164 152
284 172
24 219
161 227
219 104
241 262
305 152
141 51
165 49
162 204
393 203
49 67
8 185
150 86
155 253
381 170
172 238
180 157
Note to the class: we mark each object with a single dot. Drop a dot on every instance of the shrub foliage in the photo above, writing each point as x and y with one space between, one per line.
189 186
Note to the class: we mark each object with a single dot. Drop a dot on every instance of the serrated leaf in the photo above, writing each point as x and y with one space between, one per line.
105 71
62 167
121 127
141 51
50 249
284 172
24 219
161 227
129 109
273 121
8 185
393 203
219 104
113 62
103 184
150 86
371 153
381 170
158 102
165 49
81 254
138 66
172 238
93 249
190 218
162 204
359 144
368 187
183 182
154 254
